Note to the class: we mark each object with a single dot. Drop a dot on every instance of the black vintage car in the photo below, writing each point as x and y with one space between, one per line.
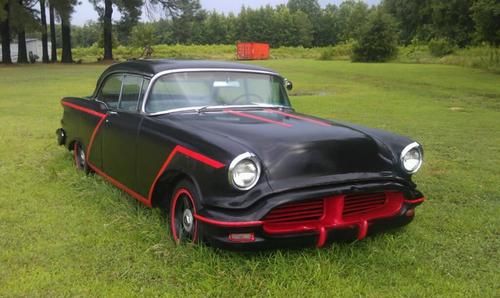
218 145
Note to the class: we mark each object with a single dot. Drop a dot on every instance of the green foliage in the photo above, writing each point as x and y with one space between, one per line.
484 57
65 234
458 21
452 20
412 16
352 16
310 7
378 40
486 16
22 17
339 52
143 35
440 47
86 35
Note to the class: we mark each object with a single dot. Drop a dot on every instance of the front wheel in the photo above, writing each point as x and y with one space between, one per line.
183 223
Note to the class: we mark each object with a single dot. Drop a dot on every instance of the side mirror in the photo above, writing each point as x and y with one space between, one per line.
288 85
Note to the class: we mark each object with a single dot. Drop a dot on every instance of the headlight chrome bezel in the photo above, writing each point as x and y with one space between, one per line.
244 156
405 151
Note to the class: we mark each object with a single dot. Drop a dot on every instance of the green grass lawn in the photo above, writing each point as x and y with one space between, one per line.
65 234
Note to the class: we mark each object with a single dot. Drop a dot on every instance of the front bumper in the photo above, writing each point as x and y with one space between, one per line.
298 230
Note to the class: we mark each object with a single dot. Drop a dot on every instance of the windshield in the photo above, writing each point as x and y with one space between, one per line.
215 88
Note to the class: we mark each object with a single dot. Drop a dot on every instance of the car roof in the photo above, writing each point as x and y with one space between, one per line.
151 67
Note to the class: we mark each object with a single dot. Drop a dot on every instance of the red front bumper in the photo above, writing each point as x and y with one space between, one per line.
323 215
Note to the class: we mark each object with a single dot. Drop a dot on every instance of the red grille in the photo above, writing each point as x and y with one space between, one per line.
296 212
358 204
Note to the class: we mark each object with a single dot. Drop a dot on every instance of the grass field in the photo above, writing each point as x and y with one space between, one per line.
64 234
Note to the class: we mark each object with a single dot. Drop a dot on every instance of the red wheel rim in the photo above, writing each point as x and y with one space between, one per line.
177 224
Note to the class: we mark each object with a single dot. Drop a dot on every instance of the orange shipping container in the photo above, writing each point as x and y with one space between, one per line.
252 51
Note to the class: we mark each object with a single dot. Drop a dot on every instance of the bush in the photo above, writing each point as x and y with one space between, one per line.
440 47
341 51
378 41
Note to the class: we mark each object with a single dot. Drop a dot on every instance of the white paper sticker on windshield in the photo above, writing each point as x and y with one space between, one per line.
234 84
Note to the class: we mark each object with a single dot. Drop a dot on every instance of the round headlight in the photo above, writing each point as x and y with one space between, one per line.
244 171
412 158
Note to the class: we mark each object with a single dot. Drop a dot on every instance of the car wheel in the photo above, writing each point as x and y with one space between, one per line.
80 158
183 223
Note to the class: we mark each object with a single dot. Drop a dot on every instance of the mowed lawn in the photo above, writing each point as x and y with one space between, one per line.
64 234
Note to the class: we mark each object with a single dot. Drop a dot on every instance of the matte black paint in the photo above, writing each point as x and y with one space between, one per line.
303 161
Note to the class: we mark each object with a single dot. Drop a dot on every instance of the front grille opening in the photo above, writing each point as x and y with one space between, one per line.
296 212
359 204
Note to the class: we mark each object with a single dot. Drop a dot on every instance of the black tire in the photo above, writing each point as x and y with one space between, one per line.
80 158
183 222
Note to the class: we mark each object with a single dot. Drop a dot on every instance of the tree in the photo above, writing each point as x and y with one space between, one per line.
22 18
188 12
143 35
130 10
5 30
309 7
53 45
215 29
378 39
87 35
312 10
486 16
130 13
328 32
352 17
413 18
43 20
303 29
452 20
65 8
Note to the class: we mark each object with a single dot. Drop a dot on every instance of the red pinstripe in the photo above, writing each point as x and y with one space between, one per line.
178 149
251 116
298 117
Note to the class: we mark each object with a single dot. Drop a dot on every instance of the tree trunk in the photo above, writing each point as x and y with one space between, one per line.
108 38
53 52
5 32
66 57
22 55
45 50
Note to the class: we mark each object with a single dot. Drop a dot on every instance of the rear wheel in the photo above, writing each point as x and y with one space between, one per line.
183 223
80 158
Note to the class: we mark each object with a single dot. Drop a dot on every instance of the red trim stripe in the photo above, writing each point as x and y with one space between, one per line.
121 186
311 120
92 137
228 224
83 109
416 201
178 149
189 153
251 116
199 157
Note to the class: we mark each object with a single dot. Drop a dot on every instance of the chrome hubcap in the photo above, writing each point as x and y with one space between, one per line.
187 220
82 156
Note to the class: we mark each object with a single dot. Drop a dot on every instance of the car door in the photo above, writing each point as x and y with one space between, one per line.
119 130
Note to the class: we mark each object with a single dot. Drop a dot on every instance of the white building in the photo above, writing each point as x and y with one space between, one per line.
32 45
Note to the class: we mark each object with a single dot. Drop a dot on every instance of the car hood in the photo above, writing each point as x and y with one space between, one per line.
297 149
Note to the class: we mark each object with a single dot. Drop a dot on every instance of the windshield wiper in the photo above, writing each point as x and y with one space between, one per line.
253 106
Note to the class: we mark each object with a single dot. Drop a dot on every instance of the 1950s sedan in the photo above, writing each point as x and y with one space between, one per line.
220 148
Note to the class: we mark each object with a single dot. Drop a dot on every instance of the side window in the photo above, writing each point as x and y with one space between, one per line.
110 91
130 93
